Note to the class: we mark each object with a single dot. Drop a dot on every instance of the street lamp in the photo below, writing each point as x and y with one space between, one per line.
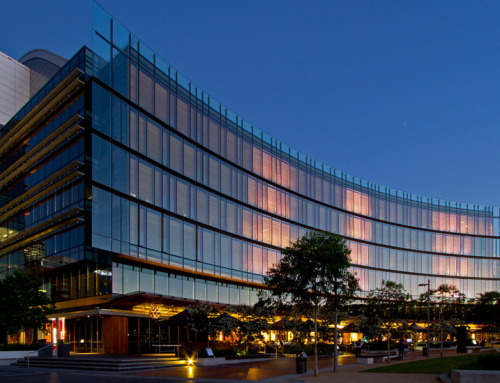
428 284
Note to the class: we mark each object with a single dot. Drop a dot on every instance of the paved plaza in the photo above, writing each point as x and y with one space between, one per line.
275 370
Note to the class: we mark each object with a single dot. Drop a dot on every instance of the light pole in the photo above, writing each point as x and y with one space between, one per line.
428 284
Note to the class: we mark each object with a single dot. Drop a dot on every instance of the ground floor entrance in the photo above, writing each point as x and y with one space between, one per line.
84 334
121 334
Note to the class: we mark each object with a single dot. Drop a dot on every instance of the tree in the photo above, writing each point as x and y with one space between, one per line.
22 304
203 319
210 321
487 308
446 295
371 326
253 321
314 272
387 299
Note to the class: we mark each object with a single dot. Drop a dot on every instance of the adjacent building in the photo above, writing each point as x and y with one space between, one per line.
128 189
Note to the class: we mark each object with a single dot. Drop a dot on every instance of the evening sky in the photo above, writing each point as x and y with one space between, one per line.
401 93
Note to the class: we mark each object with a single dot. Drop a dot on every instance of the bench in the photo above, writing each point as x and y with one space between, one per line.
370 358
174 347
384 358
364 359
488 349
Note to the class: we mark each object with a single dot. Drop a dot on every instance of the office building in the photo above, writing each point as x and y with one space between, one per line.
129 190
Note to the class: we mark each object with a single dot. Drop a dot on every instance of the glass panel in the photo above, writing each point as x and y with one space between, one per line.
146 90
154 141
153 230
146 181
101 108
101 161
101 212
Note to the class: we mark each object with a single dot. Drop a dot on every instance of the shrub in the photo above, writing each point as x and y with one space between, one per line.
296 349
224 353
379 346
323 349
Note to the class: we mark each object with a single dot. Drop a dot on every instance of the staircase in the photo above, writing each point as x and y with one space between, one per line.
103 363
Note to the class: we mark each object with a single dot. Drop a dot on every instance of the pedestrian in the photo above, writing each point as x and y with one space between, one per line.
401 347
358 345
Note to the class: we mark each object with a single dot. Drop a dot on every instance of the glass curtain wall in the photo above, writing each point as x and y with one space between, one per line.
178 179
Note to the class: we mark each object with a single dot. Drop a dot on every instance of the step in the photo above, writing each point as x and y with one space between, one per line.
103 361
100 368
69 363
96 364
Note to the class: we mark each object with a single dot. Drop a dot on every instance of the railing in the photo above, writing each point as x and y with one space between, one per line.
194 352
49 345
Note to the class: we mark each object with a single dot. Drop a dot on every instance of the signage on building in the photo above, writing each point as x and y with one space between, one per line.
103 273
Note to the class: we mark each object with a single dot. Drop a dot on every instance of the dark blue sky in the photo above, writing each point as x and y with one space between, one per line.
401 93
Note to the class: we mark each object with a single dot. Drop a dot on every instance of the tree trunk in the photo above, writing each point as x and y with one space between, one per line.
441 339
335 345
389 342
441 317
316 372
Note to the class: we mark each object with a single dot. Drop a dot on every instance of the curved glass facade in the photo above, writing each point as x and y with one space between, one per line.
181 181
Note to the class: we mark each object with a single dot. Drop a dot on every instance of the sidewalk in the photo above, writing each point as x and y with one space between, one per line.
352 374
283 370
280 369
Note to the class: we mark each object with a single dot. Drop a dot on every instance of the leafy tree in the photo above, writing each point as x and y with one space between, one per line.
387 300
371 326
446 296
210 321
203 319
487 308
326 328
313 272
253 321
22 304
226 324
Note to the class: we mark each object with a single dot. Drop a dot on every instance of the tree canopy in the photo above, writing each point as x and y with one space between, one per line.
253 321
209 320
387 301
313 272
487 308
22 304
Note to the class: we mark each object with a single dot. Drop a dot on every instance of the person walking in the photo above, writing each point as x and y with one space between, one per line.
358 345
401 348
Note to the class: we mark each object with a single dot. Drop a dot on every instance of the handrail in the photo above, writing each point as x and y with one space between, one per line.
49 345
194 352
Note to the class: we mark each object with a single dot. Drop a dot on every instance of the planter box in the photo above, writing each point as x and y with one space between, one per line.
241 357
206 362
234 361
474 376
